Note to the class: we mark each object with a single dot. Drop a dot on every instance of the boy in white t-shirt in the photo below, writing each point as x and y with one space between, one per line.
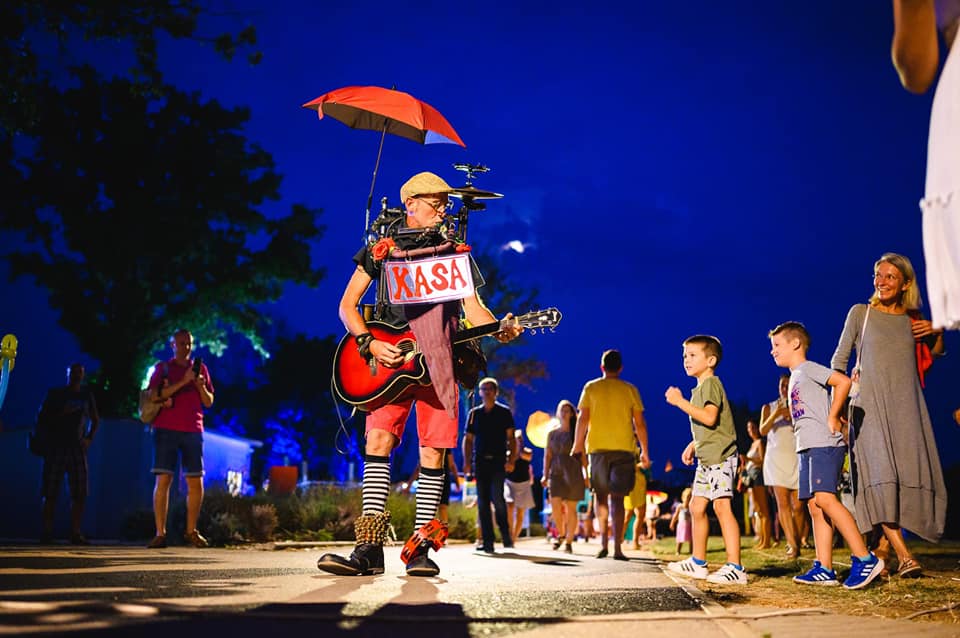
820 445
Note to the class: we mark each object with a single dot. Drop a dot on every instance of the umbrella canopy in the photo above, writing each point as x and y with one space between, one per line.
378 109
656 496
538 425
388 111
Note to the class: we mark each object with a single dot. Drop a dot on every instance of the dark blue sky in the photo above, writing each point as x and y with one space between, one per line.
676 168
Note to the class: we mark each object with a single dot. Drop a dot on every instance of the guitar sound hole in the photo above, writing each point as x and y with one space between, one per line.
408 348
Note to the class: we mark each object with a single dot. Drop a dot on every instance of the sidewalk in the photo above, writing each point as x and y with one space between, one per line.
530 592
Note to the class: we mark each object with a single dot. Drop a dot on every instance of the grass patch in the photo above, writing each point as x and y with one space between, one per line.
771 582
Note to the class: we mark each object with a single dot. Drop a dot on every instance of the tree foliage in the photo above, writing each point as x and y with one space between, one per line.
28 28
286 402
143 215
501 296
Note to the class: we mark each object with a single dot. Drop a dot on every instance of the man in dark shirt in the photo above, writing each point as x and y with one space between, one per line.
64 418
489 438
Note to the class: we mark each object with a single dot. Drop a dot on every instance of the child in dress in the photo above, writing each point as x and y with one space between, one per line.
681 522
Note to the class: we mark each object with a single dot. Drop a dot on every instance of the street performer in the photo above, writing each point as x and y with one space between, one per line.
425 200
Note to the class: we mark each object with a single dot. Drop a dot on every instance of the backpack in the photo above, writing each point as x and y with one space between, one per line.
149 406
38 441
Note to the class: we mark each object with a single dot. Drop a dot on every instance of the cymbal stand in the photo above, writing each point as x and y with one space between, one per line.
470 204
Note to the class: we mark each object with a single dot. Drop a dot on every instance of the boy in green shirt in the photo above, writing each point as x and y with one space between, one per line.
714 446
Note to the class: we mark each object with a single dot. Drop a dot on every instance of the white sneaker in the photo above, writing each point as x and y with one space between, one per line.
728 575
688 568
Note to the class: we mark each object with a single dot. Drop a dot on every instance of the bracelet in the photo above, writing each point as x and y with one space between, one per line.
363 338
363 344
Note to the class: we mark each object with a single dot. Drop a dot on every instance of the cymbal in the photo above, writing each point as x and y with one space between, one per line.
474 193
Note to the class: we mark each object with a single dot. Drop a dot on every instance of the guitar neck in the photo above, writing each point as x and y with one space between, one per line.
480 331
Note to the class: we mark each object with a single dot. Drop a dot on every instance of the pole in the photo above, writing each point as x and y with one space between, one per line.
376 166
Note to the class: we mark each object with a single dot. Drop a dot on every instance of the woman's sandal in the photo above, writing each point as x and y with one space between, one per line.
909 568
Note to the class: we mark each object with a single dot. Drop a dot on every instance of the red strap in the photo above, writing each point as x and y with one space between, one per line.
924 356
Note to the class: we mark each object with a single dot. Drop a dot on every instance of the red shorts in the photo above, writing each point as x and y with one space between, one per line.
435 428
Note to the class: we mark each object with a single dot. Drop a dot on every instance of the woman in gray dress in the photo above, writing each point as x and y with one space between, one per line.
897 478
563 474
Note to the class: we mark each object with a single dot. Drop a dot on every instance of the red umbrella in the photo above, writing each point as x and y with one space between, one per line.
388 111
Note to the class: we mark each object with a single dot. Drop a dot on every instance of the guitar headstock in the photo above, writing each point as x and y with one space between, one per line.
539 319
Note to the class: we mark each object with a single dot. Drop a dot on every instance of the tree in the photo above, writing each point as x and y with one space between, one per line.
143 214
28 27
286 402
512 371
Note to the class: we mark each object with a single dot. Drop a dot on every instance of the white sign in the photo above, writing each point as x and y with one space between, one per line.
430 280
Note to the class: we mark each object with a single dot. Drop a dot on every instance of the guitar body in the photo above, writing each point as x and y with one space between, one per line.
368 388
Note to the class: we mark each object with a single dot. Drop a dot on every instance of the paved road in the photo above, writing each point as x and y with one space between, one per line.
530 592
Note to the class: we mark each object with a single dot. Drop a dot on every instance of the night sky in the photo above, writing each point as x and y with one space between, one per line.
673 168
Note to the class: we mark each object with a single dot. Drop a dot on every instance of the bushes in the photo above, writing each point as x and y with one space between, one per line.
317 513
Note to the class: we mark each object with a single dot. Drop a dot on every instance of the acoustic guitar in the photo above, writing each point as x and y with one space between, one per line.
368 385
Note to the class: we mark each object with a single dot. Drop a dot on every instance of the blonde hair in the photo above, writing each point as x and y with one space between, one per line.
685 495
911 296
793 330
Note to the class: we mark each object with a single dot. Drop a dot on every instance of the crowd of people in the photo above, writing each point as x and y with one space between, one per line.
849 456
799 446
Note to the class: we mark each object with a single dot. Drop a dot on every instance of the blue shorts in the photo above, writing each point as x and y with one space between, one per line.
167 444
820 469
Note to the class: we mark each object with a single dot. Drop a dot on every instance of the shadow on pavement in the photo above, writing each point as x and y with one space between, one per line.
69 557
394 620
539 560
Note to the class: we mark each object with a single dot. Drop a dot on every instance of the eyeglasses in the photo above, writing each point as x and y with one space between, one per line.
436 204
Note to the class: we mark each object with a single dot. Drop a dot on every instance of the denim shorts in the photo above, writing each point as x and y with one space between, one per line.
167 444
820 469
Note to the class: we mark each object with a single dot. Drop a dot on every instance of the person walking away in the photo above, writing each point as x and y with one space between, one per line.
518 488
610 424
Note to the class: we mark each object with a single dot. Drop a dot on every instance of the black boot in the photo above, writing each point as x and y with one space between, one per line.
366 560
367 556
420 564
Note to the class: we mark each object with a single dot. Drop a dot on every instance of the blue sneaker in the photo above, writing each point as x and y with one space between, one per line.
818 575
863 571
